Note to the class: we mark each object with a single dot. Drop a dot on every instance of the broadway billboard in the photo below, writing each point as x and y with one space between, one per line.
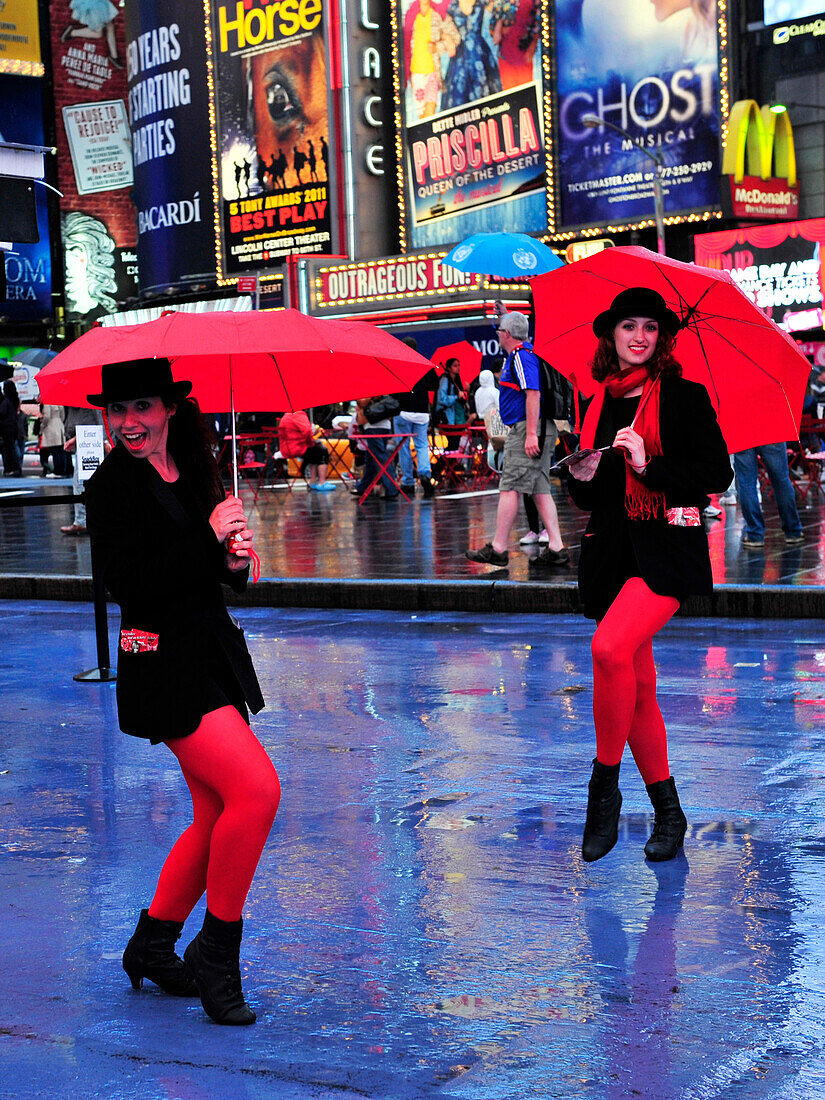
651 68
273 132
169 120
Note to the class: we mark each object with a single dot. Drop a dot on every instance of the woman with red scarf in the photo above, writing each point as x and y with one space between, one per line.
644 549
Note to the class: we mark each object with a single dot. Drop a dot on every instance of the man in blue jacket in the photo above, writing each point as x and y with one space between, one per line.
526 463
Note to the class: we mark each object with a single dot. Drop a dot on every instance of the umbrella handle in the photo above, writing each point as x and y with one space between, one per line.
234 435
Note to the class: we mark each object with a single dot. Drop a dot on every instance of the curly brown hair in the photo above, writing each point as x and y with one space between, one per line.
605 362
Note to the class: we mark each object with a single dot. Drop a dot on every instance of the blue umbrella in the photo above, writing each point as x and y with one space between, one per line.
34 358
507 255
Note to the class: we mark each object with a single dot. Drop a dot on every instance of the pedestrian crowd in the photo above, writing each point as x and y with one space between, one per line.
500 401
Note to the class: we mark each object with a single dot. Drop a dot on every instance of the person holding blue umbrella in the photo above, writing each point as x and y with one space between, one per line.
528 449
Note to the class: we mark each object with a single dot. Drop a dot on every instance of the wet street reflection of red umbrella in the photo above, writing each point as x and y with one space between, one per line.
755 374
258 361
469 360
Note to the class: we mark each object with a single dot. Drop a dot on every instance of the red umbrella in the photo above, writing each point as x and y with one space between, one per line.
272 360
257 361
469 360
754 372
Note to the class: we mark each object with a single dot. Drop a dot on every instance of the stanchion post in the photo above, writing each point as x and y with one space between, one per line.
103 674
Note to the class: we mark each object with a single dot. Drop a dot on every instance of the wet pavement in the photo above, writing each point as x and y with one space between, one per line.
307 536
422 925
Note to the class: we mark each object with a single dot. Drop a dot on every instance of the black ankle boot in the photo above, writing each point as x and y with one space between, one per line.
150 953
213 958
669 822
428 485
604 800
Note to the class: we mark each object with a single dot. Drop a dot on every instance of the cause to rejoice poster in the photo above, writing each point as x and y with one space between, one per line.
650 67
274 160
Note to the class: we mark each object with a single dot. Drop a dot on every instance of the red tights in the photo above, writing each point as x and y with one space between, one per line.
235 794
625 710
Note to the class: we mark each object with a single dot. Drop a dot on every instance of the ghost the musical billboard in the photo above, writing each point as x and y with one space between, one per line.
273 135
652 69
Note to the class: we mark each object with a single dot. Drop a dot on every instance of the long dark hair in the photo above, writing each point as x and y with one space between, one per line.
606 362
190 443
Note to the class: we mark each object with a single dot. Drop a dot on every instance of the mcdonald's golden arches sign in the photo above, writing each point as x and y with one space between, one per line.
760 163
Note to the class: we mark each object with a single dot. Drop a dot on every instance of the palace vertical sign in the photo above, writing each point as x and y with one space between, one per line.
759 139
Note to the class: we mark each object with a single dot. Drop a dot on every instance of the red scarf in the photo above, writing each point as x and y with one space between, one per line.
640 501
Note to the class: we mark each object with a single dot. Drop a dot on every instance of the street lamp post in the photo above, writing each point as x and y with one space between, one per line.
592 121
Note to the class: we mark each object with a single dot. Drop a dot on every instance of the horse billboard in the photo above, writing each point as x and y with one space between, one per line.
273 133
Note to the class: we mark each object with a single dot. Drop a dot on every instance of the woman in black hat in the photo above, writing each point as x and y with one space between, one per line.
644 549
165 537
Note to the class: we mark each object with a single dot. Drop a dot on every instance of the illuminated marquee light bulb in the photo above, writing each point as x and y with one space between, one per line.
213 143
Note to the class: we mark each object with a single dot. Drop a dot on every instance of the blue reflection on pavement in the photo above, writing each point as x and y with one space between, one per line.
422 924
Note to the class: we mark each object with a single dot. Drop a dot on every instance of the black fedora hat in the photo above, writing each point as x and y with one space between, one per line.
138 378
637 301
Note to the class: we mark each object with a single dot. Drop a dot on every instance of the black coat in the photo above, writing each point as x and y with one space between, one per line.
673 561
8 417
164 566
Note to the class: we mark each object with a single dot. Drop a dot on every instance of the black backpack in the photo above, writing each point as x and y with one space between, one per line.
558 398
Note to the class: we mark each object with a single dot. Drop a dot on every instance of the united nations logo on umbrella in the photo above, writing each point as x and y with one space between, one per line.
505 255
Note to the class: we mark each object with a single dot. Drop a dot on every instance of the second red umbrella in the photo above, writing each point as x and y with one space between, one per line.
469 360
755 374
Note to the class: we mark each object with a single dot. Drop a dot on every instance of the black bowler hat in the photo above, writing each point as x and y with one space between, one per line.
637 301
138 378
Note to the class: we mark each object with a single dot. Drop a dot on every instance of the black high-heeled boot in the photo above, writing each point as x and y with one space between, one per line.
428 485
150 953
213 957
604 801
669 822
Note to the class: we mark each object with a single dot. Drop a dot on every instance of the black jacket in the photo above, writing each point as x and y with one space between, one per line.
8 417
418 398
164 567
672 560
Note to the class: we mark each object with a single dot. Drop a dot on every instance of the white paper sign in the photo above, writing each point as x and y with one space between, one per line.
100 144
89 453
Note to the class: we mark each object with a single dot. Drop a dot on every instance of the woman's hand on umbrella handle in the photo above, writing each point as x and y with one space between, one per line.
634 446
238 548
227 518
585 468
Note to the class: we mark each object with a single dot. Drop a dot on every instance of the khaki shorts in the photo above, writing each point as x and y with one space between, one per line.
522 474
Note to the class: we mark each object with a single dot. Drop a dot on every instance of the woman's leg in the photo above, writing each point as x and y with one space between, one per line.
182 878
648 738
225 758
532 513
624 706
630 622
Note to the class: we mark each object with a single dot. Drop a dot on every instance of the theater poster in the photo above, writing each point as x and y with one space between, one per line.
273 132
470 88
778 266
650 67
93 158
